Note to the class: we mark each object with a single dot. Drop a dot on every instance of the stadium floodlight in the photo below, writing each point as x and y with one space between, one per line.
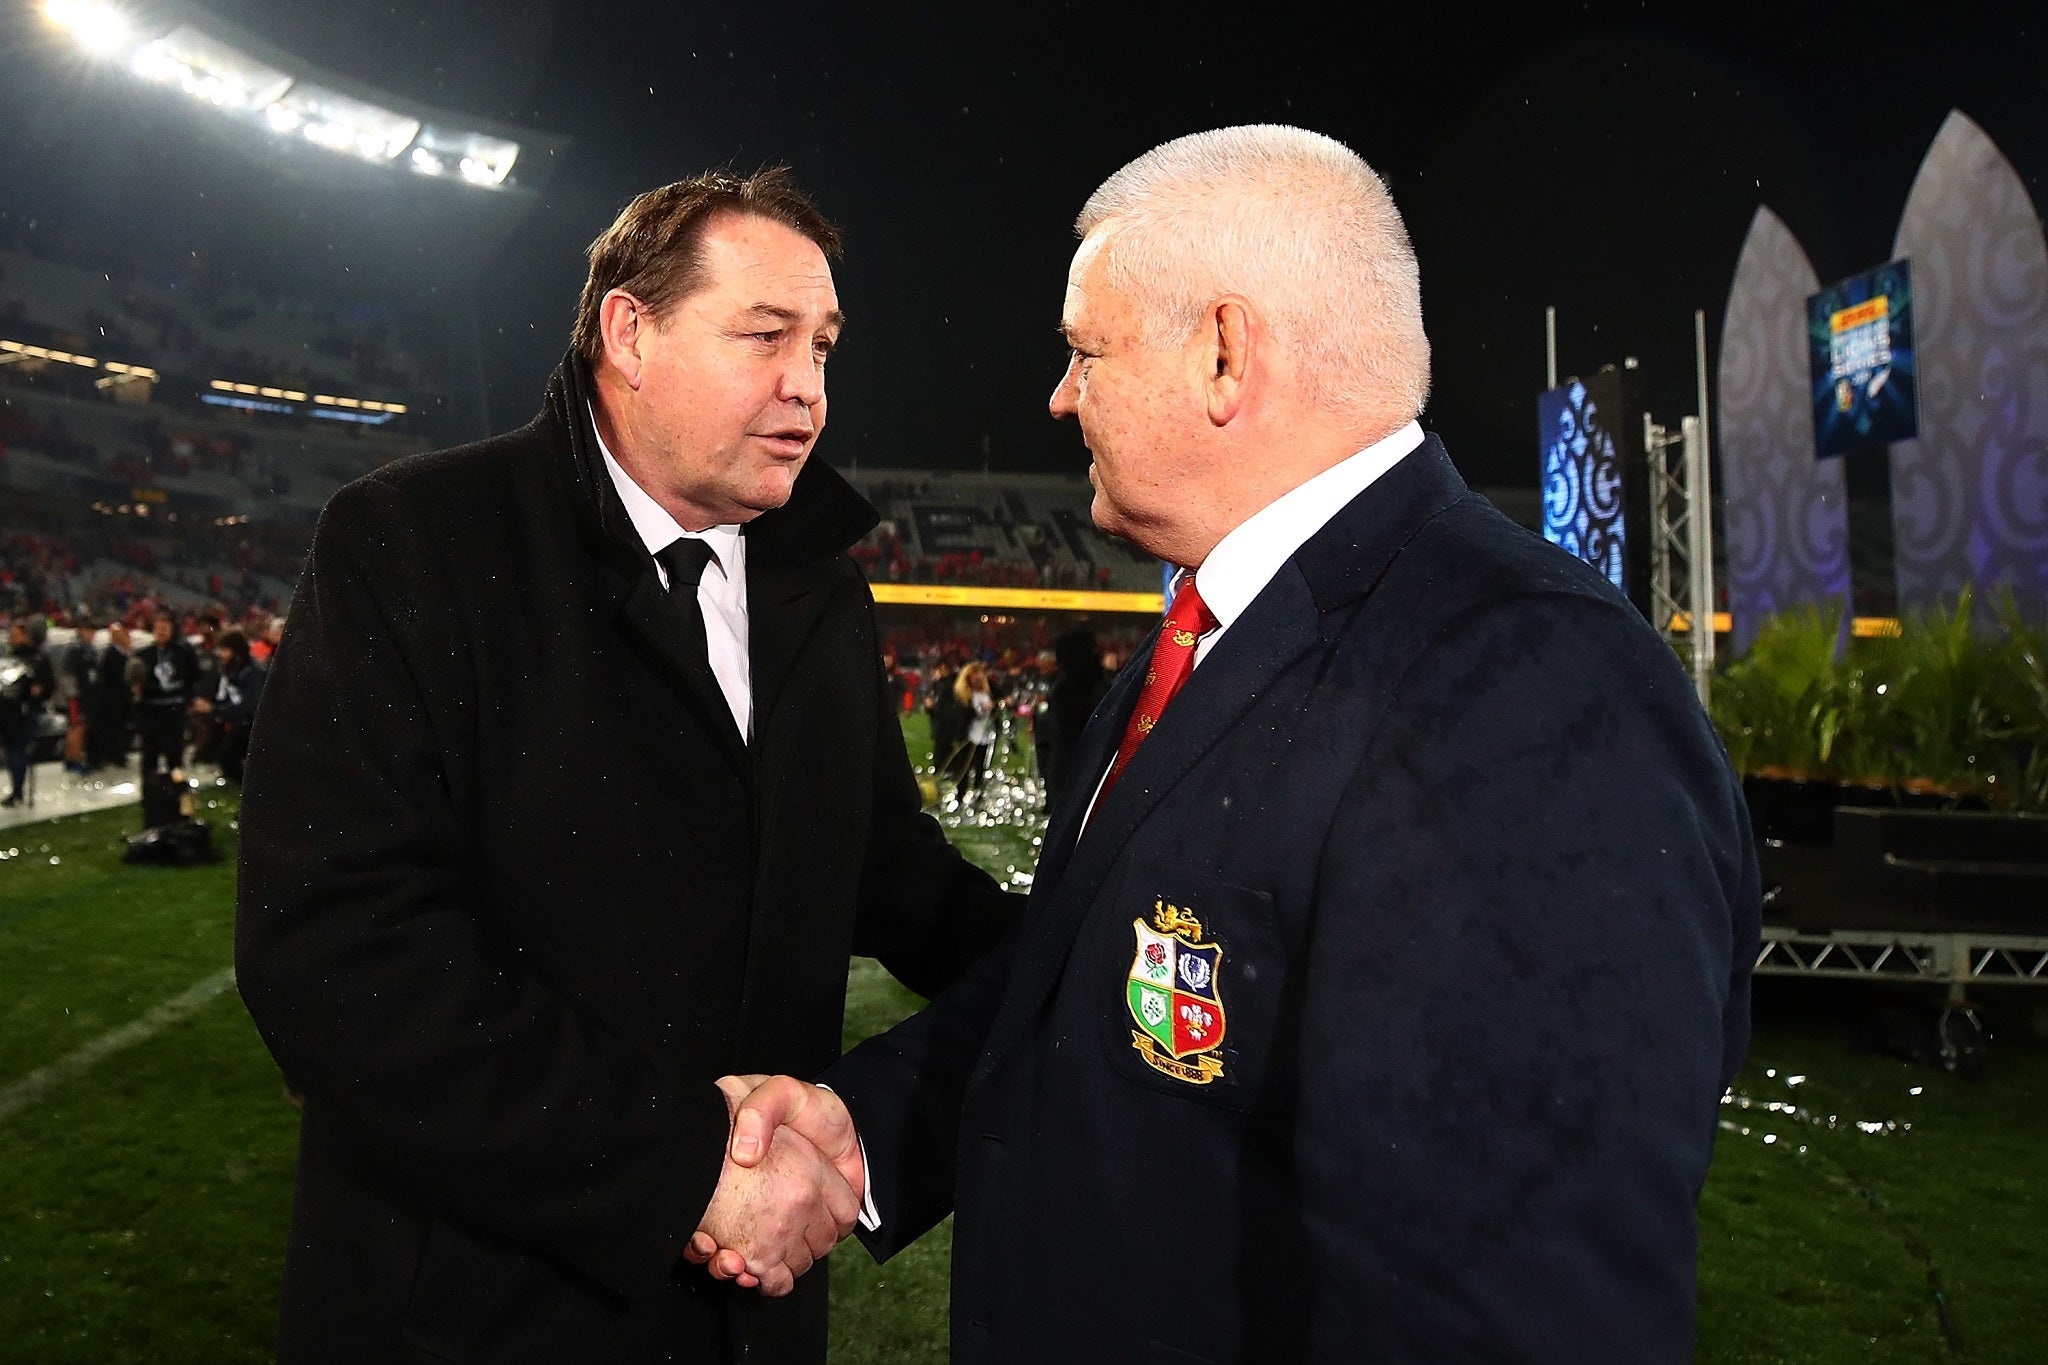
21 350
478 159
210 71
94 25
278 92
328 118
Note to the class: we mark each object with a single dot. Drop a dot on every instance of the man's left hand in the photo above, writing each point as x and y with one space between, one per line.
767 1112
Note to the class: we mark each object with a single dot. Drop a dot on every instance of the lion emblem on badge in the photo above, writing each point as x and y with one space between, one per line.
1174 995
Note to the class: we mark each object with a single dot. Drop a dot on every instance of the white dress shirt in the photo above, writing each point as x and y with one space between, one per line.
721 593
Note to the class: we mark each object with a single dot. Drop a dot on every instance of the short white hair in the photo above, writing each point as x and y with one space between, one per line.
1297 223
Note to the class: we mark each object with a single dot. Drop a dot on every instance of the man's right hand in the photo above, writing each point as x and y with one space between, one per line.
769 1115
781 1201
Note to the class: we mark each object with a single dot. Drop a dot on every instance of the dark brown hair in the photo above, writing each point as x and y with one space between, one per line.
654 249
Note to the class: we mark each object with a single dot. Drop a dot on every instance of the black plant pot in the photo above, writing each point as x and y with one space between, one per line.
1800 810
1795 823
1953 869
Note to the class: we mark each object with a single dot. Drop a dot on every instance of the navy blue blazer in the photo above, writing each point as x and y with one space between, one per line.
1384 1008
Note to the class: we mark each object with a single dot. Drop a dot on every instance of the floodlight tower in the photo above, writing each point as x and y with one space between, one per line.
310 183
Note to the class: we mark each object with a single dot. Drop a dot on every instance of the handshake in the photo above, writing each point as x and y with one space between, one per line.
791 1186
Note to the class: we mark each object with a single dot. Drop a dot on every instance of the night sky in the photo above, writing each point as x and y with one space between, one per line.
1605 159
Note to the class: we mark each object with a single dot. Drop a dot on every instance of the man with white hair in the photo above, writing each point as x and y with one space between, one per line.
1379 1003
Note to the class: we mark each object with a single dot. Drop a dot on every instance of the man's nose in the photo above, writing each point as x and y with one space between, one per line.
1064 393
803 379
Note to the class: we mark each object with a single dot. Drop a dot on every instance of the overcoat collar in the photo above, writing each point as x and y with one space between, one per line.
788 550
1303 609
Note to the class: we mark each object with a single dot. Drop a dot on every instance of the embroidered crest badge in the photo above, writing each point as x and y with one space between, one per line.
1173 994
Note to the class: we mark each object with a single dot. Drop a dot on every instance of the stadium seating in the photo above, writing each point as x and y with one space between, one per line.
181 317
1003 529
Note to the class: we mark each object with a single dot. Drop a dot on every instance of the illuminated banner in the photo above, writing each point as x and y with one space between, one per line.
1016 599
1860 344
1589 434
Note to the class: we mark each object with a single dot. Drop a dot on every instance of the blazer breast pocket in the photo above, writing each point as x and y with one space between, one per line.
1188 973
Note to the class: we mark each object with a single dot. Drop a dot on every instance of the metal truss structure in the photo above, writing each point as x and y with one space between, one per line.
1957 961
1681 512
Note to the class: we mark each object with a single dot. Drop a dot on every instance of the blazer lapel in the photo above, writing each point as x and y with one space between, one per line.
784 603
1278 628
650 622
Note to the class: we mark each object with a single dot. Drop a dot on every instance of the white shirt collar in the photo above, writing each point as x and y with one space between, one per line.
658 530
1244 561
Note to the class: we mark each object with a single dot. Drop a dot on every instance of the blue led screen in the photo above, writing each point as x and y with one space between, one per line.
1579 426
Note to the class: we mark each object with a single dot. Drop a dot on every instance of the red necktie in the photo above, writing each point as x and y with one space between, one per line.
1173 658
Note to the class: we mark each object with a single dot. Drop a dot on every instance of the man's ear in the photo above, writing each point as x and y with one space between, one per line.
620 318
1233 332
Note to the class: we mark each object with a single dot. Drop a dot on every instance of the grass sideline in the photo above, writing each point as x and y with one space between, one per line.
143 1203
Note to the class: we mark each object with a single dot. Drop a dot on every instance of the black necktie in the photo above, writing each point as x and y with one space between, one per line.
683 560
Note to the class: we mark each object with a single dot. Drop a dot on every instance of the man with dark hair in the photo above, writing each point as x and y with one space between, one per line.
572 789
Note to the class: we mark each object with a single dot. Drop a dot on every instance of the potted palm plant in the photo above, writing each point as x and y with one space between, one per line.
1941 729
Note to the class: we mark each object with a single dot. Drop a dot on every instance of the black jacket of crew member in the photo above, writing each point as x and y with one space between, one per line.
109 707
30 684
168 674
236 690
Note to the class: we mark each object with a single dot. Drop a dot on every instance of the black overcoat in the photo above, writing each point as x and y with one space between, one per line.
1437 887
513 893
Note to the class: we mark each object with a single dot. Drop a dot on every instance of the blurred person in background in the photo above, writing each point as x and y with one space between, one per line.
264 645
1034 693
203 729
76 665
164 675
573 789
27 683
110 703
238 686
1078 684
977 704
948 721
